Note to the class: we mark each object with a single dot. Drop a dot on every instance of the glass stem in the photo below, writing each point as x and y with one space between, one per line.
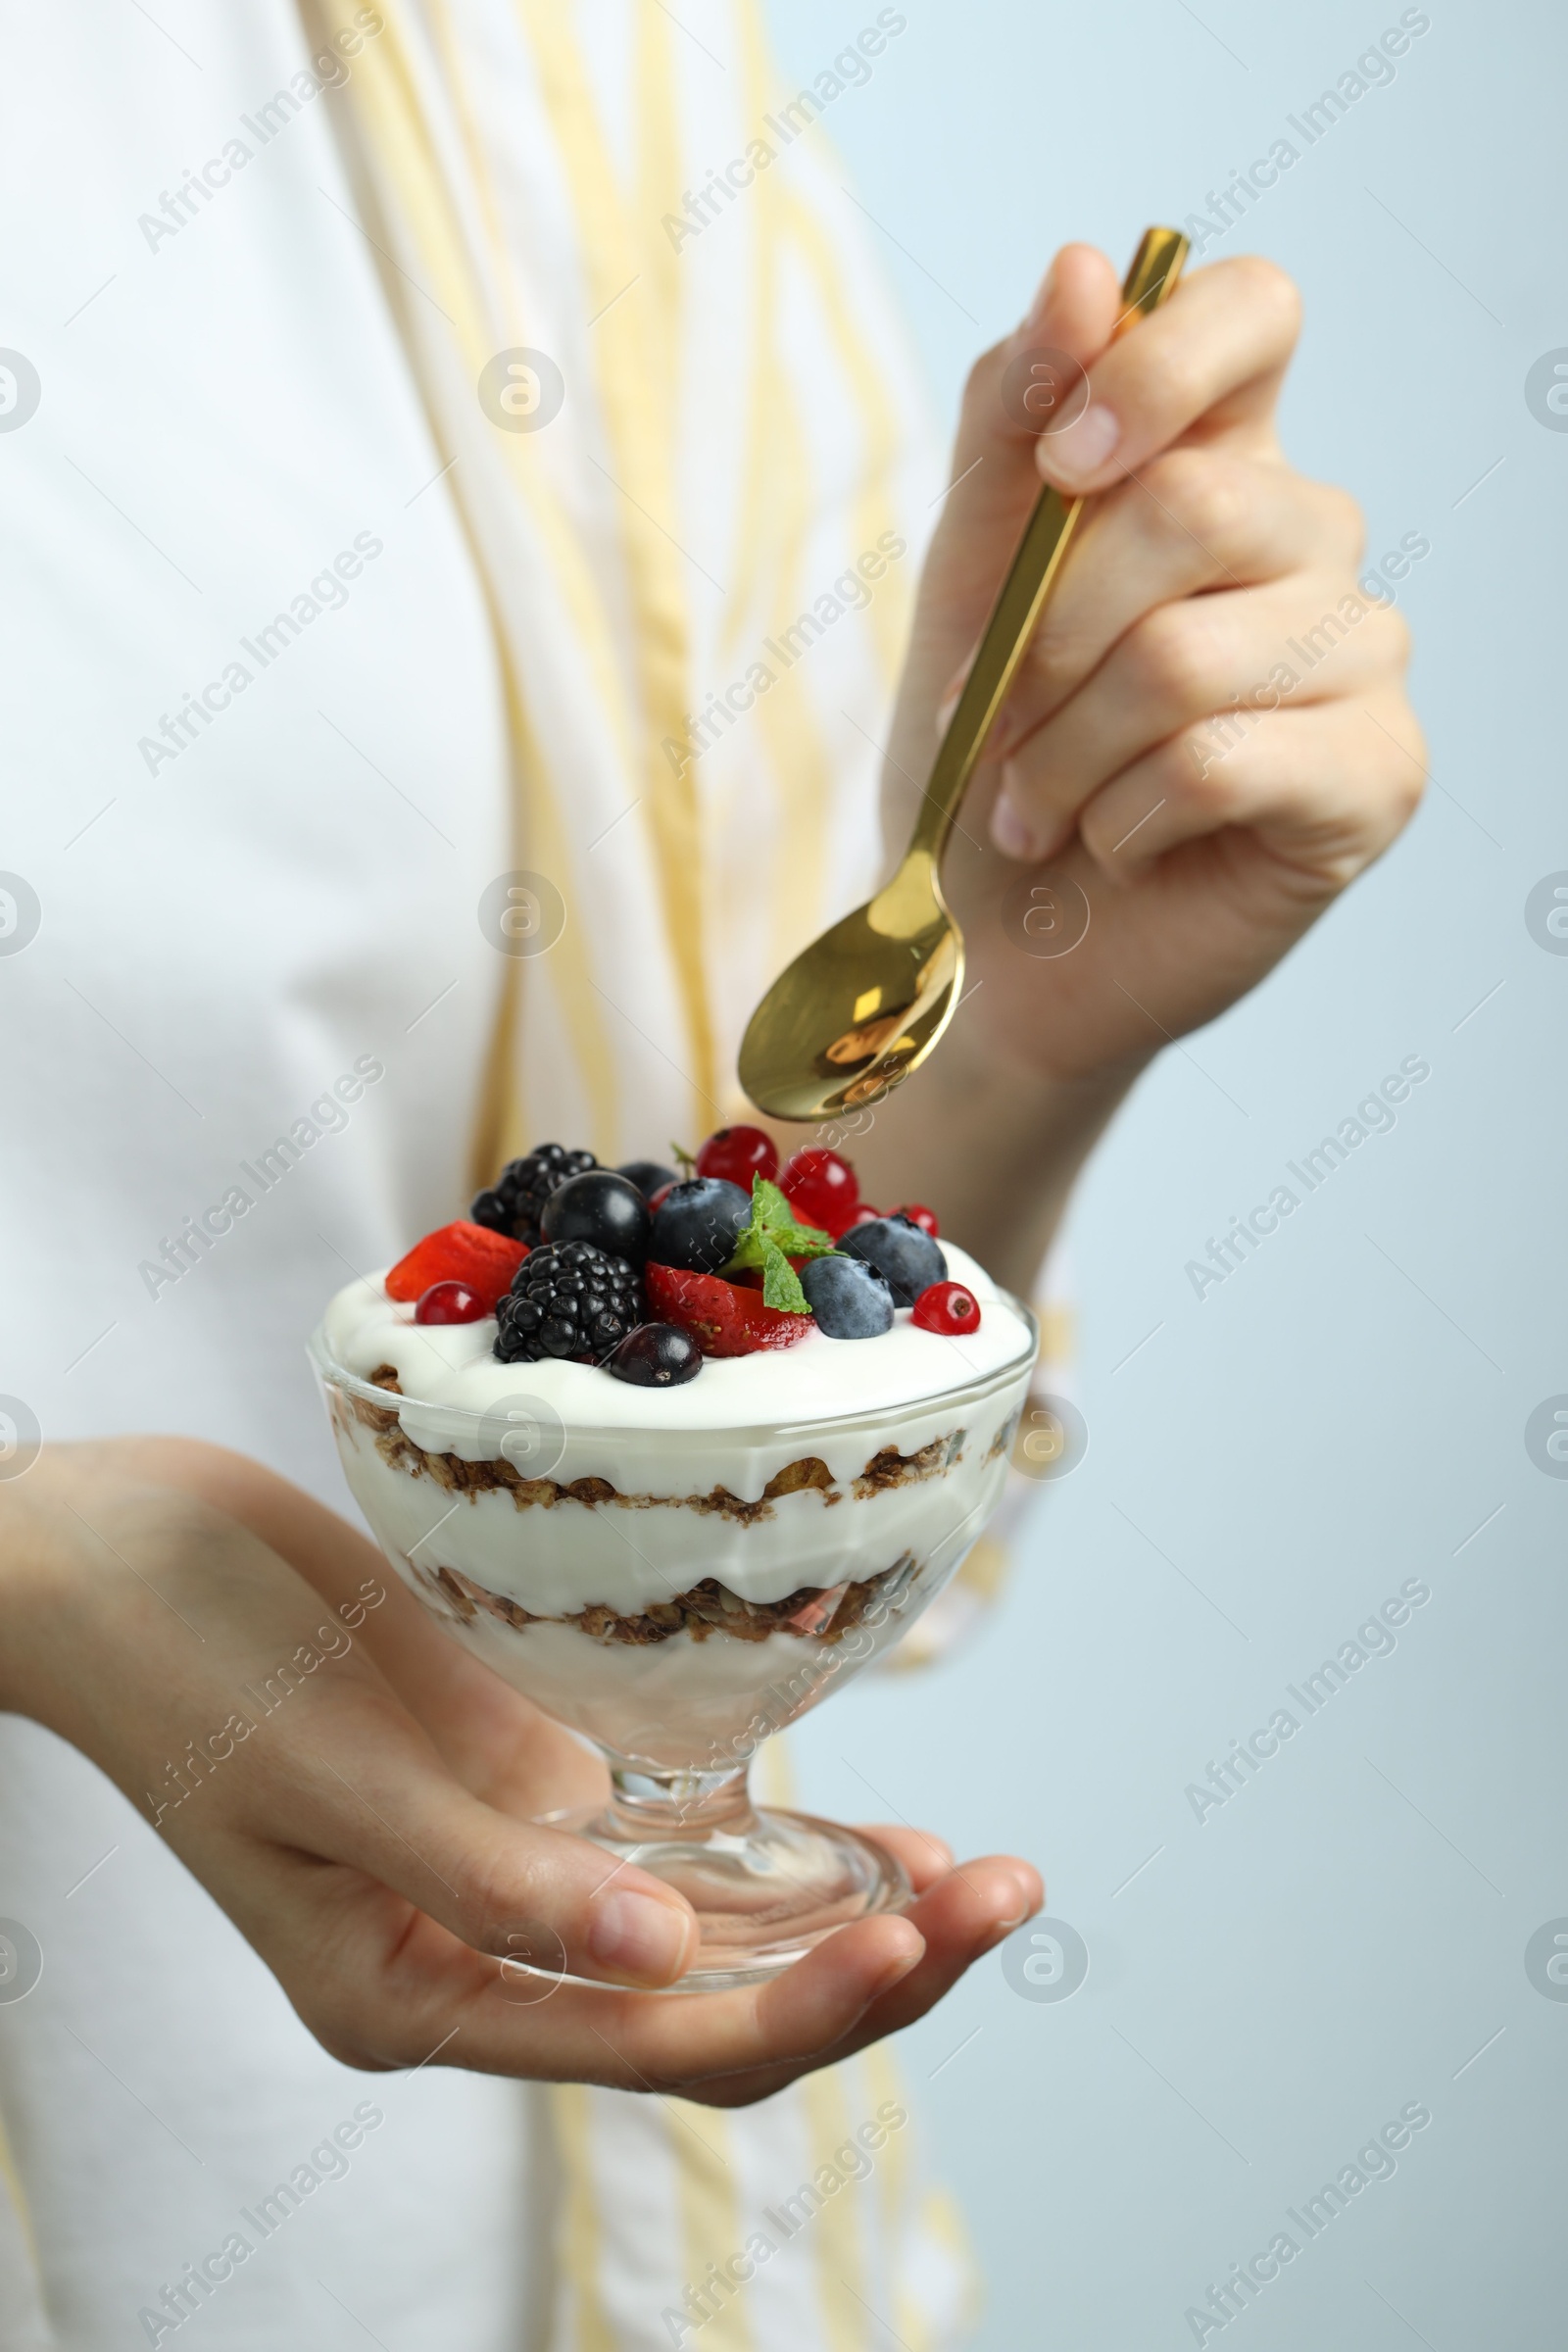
649 1806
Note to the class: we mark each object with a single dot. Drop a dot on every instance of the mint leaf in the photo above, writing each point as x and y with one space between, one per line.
772 1233
750 1251
802 1241
781 1285
774 1213
768 1205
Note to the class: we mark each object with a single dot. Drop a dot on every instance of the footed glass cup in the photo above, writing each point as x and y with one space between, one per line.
676 1597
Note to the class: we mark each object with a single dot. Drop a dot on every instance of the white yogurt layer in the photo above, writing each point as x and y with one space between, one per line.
453 1364
735 1426
555 1559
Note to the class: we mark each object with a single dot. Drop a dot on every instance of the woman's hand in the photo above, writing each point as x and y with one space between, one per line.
1206 574
364 1819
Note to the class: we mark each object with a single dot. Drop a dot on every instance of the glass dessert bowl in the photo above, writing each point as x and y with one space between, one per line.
675 1573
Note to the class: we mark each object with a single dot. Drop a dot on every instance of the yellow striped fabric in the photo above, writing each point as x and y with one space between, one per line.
735 439
700 573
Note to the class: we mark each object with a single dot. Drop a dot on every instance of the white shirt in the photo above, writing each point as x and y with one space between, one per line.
235 409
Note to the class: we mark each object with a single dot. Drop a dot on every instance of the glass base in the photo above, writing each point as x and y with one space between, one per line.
766 1886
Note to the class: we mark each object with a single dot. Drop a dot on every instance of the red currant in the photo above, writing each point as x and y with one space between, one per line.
947 1306
450 1302
821 1189
737 1154
925 1218
866 1214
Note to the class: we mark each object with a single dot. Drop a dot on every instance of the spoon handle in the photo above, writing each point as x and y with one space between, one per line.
1047 537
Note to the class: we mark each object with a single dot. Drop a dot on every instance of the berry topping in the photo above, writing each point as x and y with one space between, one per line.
486 1261
722 1317
698 1223
648 1176
821 1189
737 1154
925 1218
601 1208
849 1299
568 1300
656 1356
512 1203
947 1307
450 1302
907 1259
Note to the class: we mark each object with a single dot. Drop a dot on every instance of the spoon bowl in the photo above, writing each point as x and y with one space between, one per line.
864 1005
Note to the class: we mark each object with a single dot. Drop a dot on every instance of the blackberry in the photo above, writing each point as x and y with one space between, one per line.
569 1298
513 1202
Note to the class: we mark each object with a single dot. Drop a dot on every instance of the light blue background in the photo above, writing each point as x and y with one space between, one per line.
1344 1935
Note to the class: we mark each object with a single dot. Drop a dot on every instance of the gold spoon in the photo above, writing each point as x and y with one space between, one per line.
865 1003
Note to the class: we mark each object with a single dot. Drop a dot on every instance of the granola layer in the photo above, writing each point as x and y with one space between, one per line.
885 1470
813 1613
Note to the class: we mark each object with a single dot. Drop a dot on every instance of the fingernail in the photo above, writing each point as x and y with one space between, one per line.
1011 831
637 1935
1079 452
1029 1903
895 1973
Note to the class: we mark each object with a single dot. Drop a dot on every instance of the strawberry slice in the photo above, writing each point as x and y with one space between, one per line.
752 1278
723 1318
461 1252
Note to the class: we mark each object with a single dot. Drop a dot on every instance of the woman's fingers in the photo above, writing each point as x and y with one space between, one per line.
357 1784
925 1859
1214 352
963 1915
1193 520
1295 641
1325 788
288 1735
382 1986
391 1989
407 1918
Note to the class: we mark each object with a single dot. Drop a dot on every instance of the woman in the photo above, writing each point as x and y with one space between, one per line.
488 411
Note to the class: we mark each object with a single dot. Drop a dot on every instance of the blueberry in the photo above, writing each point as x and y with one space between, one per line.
907 1259
655 1356
601 1208
647 1175
849 1299
699 1224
